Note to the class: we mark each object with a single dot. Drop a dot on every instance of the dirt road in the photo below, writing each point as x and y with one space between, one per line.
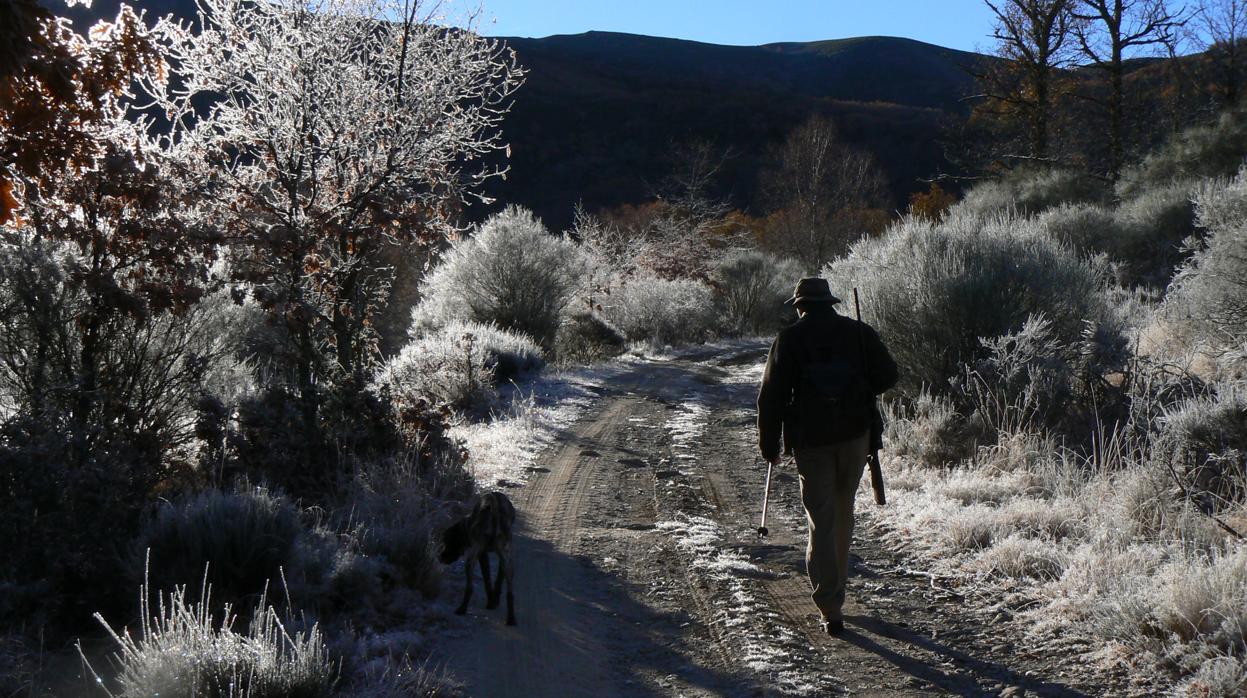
639 572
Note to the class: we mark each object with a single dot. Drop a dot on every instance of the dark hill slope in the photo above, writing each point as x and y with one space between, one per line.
600 113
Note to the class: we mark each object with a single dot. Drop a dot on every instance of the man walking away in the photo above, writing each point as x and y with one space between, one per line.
819 389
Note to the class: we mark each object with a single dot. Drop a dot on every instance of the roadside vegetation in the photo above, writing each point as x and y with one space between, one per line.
254 360
1072 434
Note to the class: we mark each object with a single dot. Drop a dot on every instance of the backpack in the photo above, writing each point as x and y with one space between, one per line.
834 389
833 400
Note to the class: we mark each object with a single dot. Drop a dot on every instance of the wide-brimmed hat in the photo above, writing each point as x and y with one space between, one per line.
812 290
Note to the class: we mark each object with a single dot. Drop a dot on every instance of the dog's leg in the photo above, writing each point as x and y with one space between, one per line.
491 593
467 586
505 562
502 566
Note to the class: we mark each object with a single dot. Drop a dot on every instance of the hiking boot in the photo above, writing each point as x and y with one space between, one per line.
833 627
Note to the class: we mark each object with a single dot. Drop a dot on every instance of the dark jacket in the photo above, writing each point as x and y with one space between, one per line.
822 333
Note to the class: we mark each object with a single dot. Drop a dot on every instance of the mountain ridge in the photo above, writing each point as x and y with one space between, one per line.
601 112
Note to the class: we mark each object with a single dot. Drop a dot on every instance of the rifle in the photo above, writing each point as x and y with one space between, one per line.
872 459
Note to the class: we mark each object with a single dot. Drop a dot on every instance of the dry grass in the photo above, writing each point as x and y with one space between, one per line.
182 651
1109 553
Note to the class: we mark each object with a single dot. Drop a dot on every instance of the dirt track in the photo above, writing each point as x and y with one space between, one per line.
639 573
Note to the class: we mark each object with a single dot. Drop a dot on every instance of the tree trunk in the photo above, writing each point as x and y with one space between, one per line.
1116 137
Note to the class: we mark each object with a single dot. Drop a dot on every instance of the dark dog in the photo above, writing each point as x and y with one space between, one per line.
487 529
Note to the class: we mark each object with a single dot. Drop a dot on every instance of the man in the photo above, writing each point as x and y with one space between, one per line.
819 389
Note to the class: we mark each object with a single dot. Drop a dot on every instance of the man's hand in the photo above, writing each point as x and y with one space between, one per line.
777 460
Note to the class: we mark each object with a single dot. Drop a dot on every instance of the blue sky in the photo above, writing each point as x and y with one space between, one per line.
963 24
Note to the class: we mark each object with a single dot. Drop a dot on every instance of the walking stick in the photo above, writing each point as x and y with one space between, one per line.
766 495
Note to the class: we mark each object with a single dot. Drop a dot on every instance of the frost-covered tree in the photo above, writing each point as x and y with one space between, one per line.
56 88
328 132
95 228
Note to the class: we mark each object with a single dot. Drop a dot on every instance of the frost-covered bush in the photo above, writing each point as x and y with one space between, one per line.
394 511
751 288
1150 228
511 273
586 337
301 443
1032 191
1206 437
1200 152
442 368
1089 228
459 365
509 355
1032 380
91 421
1143 235
184 651
1209 290
934 289
242 540
403 679
660 311
932 432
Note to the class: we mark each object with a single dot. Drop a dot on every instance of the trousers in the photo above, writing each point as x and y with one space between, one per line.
829 478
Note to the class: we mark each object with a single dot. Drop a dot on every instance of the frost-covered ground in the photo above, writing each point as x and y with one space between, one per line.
504 449
764 642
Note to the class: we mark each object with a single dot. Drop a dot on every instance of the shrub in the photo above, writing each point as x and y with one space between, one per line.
91 422
184 652
1032 191
66 518
1209 290
302 443
933 289
662 312
509 355
1032 380
933 433
1089 228
396 514
405 680
512 273
241 540
586 337
1200 152
751 288
459 365
1150 228
1206 436
1144 233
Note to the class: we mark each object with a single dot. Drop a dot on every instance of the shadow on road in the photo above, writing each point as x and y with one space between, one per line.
582 632
963 682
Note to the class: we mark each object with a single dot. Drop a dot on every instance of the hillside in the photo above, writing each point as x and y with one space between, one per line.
600 113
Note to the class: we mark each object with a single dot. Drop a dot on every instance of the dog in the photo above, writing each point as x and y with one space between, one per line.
486 529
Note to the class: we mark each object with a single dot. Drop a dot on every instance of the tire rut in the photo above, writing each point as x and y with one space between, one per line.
615 598
601 612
